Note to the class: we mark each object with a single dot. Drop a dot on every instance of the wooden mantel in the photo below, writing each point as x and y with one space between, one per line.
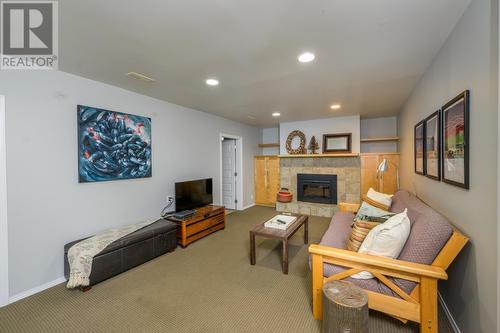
318 155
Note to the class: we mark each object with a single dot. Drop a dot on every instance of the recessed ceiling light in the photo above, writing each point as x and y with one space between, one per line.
276 114
306 57
335 106
139 76
212 82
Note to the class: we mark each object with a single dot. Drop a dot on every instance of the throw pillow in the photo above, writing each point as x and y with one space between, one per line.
368 212
386 240
375 203
358 234
384 199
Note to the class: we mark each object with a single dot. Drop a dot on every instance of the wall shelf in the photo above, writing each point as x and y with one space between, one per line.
379 139
318 155
379 154
268 145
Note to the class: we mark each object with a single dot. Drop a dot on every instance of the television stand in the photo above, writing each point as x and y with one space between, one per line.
205 221
185 214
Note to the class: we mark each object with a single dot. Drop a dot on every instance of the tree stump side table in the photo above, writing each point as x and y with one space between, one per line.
345 308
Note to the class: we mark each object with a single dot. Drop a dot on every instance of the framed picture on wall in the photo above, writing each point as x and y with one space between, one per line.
455 153
433 146
336 143
419 148
112 145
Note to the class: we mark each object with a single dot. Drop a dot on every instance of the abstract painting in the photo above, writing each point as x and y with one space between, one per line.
419 148
455 159
112 145
433 146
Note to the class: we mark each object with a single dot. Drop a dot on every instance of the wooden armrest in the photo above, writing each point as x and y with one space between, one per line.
348 207
381 262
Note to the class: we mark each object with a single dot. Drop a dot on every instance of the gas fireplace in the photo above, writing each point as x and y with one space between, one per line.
317 188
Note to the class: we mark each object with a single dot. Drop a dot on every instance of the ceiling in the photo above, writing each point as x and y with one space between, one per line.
369 54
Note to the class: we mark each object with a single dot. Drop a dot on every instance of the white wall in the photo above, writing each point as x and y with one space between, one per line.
498 169
385 127
271 135
48 207
318 127
468 60
4 248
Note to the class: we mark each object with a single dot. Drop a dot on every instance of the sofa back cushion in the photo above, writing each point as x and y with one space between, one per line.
429 231
338 231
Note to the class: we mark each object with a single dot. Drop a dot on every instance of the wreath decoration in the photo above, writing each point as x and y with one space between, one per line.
301 149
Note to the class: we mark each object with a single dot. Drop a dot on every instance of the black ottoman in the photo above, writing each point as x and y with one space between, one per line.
132 250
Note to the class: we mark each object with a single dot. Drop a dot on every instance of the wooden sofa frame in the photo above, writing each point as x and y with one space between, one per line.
420 305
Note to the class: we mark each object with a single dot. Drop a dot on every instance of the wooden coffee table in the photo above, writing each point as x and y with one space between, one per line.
283 235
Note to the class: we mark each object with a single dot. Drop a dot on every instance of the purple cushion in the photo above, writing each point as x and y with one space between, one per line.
430 230
338 231
336 236
429 233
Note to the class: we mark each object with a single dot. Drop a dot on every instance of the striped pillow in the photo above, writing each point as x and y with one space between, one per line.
359 231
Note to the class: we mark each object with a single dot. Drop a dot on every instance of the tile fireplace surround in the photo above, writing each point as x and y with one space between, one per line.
346 167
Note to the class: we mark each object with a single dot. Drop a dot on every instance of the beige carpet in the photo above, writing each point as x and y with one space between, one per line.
208 287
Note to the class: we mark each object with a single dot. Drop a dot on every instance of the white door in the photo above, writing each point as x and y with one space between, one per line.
229 173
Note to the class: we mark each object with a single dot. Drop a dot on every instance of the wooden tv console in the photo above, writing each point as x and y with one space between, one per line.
207 220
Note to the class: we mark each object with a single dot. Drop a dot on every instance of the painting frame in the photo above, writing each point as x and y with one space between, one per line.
346 148
419 134
456 156
436 142
100 132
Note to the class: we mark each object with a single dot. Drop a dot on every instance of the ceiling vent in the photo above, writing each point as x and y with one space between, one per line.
139 76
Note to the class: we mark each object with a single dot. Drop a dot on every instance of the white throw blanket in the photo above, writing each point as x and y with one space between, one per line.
81 255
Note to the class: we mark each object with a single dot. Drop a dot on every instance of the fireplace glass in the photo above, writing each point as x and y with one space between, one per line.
317 188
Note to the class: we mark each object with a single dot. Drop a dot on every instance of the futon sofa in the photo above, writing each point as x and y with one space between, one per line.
129 251
406 287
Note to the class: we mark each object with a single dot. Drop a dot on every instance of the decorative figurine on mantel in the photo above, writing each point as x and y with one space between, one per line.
313 145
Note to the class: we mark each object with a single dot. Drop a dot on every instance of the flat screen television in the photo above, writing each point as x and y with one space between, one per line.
193 194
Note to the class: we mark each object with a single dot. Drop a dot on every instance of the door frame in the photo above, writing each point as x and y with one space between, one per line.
4 240
239 169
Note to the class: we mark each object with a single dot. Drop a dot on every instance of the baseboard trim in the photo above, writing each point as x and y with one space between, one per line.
36 290
447 312
249 206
